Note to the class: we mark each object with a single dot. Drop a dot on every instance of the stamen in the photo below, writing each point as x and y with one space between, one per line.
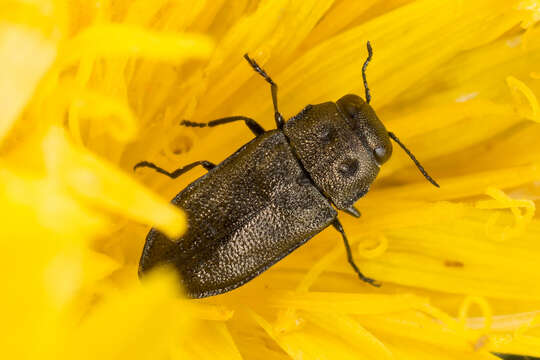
526 326
487 314
317 269
523 211
517 86
287 321
369 252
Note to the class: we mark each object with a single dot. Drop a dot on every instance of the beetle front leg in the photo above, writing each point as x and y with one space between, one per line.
273 88
338 227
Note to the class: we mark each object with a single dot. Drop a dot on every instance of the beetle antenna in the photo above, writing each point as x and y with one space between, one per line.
364 67
416 162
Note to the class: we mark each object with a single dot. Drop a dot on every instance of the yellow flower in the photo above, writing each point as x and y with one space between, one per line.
89 88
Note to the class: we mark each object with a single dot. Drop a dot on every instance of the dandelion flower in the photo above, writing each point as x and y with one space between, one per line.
90 88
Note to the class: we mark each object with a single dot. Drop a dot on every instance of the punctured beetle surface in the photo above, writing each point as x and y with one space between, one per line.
274 193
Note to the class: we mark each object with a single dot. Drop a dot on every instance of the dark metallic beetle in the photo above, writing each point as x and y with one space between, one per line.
274 193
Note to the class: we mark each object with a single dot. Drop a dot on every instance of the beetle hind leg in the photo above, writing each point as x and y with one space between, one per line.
338 227
176 173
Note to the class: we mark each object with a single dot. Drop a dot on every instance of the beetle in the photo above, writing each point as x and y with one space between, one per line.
274 193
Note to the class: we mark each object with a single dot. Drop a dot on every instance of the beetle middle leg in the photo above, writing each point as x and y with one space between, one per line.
251 124
338 227
273 87
176 173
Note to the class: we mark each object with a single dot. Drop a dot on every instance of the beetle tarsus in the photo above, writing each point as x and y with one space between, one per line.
251 124
193 124
370 281
176 173
337 225
273 87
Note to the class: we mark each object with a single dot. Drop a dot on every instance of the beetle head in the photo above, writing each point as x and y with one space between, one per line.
367 126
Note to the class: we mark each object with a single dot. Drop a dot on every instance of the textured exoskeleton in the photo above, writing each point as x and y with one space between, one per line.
273 194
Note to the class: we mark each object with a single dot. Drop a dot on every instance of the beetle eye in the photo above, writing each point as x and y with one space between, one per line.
380 155
348 167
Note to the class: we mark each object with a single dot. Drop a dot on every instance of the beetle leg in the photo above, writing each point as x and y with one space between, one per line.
251 124
338 227
273 87
176 173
